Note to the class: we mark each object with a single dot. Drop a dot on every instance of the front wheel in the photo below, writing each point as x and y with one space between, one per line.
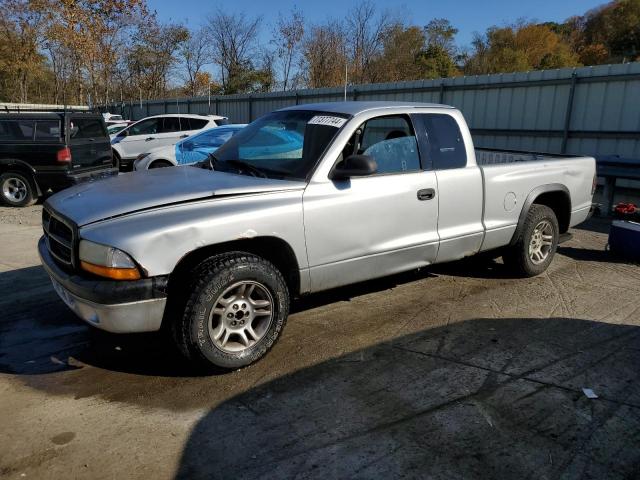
236 307
537 244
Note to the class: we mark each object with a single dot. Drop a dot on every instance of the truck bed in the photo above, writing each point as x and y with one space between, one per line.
485 156
510 176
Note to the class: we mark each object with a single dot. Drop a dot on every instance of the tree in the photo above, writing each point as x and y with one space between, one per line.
196 54
365 29
287 39
401 48
152 59
519 47
436 62
324 55
616 26
234 43
441 34
21 62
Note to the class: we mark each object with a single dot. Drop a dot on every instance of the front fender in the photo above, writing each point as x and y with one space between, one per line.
157 239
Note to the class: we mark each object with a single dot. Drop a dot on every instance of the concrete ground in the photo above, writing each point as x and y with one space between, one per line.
457 371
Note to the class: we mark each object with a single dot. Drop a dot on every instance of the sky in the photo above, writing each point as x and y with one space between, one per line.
468 16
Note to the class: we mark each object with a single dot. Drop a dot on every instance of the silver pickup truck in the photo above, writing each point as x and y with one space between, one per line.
304 199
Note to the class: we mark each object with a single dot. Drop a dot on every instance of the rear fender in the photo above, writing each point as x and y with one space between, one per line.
13 164
531 199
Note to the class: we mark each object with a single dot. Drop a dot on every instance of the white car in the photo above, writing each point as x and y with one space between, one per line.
114 128
113 119
158 131
188 151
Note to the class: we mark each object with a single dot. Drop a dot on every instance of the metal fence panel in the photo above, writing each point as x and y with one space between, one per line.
587 110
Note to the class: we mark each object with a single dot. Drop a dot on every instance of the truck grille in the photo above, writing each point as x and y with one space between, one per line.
60 238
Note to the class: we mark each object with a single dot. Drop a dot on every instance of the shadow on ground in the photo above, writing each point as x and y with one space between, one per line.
484 398
40 335
481 398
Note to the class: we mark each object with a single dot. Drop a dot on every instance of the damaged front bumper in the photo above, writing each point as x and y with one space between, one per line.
114 306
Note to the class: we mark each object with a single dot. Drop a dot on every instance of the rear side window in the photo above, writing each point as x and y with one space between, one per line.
222 121
12 130
194 123
171 124
47 130
87 128
445 146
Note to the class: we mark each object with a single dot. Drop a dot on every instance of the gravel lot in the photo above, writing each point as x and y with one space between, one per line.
457 371
30 216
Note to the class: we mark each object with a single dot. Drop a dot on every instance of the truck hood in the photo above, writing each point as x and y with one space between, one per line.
132 192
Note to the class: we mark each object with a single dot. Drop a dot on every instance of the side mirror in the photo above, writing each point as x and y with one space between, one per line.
123 133
354 166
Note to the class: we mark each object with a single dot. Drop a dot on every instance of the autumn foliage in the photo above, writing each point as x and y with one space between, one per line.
100 51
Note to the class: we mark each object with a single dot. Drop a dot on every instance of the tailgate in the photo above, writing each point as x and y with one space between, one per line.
89 143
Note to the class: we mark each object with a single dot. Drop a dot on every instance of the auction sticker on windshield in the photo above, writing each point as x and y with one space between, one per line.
327 120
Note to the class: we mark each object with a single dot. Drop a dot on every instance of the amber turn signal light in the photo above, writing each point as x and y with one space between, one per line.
111 272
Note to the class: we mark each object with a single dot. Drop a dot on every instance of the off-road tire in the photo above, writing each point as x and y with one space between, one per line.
27 195
208 281
517 257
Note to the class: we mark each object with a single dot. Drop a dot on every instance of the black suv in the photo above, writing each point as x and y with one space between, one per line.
50 151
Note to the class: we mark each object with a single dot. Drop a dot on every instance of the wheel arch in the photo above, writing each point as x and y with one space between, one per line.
274 249
556 196
160 159
22 167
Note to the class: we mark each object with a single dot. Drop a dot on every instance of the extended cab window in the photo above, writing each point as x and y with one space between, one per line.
87 128
445 146
390 141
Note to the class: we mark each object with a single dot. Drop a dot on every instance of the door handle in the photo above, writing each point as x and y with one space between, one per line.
426 194
149 138
184 136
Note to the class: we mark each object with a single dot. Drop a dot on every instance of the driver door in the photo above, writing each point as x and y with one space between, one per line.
135 140
368 227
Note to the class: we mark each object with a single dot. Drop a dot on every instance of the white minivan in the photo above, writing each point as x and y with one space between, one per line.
158 131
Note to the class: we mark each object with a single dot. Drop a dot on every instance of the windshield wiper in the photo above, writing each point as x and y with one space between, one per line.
240 165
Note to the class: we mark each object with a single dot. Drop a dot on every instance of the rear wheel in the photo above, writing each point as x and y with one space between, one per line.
537 244
236 307
160 164
17 190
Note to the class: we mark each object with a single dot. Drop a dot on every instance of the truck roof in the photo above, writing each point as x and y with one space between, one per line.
357 107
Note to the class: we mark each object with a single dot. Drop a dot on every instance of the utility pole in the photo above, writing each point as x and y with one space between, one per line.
346 75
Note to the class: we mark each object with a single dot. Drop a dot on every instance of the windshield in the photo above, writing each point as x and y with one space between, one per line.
211 138
282 144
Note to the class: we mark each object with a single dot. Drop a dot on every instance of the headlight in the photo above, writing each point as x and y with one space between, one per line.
107 261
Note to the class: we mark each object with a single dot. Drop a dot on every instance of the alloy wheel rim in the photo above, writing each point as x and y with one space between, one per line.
541 242
14 189
241 316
